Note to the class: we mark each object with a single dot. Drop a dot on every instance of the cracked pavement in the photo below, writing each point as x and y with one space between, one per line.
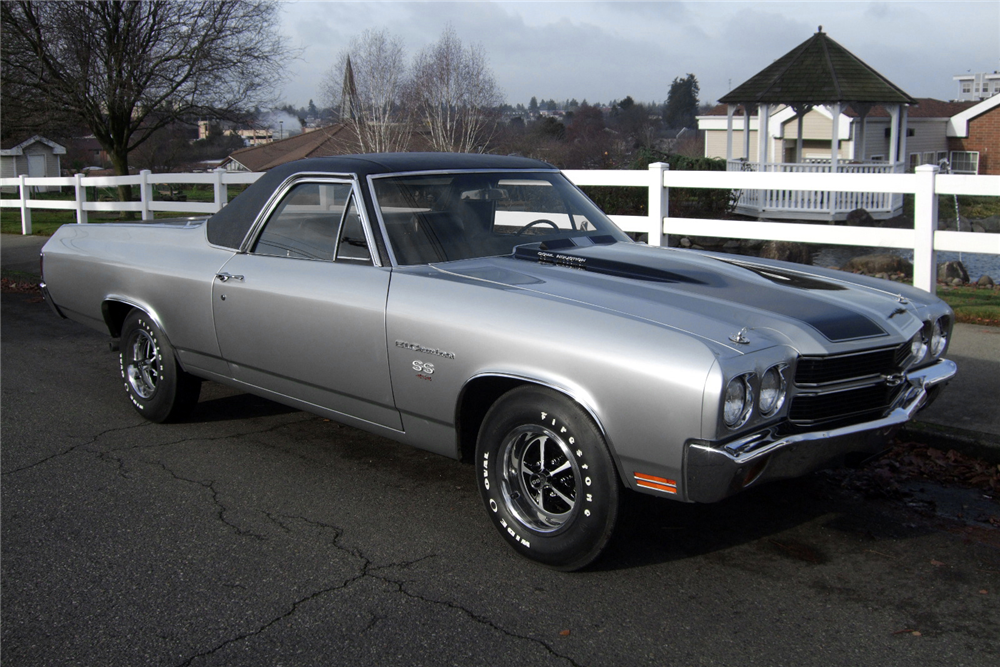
259 535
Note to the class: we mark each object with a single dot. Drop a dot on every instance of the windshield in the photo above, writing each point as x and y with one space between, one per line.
444 217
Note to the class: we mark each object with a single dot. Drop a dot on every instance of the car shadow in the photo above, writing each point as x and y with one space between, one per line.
219 403
652 531
658 531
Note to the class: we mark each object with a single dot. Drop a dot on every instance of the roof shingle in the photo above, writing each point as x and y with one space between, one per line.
817 71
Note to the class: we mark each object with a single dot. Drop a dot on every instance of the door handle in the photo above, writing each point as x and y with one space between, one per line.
225 277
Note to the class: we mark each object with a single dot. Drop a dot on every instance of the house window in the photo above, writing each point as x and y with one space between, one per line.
877 158
965 162
942 159
914 161
966 87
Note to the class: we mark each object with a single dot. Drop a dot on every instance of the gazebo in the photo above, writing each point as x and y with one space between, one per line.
819 75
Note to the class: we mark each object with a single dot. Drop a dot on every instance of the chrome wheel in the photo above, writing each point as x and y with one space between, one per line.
156 385
539 478
143 367
547 478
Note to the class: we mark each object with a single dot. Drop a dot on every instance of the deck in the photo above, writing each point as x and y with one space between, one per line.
816 205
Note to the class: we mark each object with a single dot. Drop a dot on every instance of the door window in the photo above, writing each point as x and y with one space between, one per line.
305 223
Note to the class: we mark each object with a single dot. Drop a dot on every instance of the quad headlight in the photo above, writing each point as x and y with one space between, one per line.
738 402
930 342
918 349
772 390
939 337
764 393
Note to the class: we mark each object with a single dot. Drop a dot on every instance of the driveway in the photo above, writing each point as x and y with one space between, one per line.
259 535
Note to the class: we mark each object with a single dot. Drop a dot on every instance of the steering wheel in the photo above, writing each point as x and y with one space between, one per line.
541 221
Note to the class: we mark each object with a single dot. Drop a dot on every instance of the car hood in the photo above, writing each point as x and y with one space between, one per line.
712 296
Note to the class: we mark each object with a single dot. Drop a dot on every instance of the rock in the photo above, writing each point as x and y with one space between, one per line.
708 241
685 242
956 282
985 281
871 265
859 217
978 228
990 225
786 251
731 246
949 271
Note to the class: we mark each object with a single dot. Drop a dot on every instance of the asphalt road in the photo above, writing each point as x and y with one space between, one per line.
258 535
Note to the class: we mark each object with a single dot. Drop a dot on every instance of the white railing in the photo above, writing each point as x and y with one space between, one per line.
924 239
816 204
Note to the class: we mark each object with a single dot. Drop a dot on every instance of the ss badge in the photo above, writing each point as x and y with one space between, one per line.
423 367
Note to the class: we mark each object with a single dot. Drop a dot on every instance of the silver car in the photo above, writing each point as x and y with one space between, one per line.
483 308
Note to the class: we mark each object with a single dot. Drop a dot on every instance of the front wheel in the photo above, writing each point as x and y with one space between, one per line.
547 478
159 390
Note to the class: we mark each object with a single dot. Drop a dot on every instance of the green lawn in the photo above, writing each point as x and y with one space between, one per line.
973 305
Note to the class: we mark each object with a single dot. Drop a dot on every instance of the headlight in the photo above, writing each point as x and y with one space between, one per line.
918 349
939 338
772 390
738 402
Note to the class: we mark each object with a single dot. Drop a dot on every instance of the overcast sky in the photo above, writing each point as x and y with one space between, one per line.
603 51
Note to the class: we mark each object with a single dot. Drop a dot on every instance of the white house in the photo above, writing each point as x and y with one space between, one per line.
35 157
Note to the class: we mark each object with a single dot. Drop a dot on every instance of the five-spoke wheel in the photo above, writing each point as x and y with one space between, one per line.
546 477
159 389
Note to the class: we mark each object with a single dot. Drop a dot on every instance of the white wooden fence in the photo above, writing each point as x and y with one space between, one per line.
925 239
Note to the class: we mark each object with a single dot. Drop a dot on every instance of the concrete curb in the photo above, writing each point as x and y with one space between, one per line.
985 446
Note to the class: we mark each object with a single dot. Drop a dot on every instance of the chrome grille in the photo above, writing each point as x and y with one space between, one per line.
864 402
846 387
815 371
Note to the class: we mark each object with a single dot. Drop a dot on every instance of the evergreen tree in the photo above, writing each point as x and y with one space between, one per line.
681 109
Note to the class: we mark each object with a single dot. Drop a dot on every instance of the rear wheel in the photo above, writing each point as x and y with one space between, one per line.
159 390
547 478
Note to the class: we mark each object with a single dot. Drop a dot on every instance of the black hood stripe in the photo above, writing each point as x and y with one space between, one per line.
787 294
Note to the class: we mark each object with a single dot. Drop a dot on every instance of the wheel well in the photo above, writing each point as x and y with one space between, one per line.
478 397
115 313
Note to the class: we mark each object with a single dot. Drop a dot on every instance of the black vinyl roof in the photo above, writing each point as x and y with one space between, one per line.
229 226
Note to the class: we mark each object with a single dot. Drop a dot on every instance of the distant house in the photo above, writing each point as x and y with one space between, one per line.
322 142
977 87
36 157
974 139
86 153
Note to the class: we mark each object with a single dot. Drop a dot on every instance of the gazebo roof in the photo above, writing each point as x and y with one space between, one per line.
817 71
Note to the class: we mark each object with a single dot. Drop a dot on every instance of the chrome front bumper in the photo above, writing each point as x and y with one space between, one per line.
712 472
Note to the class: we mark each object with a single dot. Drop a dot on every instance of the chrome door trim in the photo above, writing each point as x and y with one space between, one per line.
314 177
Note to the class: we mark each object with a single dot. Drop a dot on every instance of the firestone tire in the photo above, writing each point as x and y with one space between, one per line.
157 387
547 478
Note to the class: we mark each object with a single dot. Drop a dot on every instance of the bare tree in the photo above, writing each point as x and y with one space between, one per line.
127 69
455 95
366 85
